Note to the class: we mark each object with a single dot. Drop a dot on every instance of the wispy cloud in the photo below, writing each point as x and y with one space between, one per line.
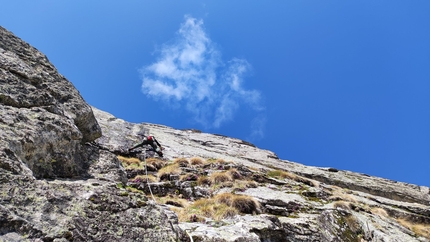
189 71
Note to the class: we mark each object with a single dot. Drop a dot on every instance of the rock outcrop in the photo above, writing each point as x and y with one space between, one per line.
66 175
297 202
53 185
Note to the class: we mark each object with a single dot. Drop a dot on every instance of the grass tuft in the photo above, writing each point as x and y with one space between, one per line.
203 180
242 203
129 161
419 229
220 177
342 204
182 162
155 162
379 211
234 174
197 161
281 174
143 178
171 169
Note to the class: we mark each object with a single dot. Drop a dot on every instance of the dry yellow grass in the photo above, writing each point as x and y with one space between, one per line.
220 177
282 174
182 162
155 162
243 203
234 174
207 208
197 161
242 185
225 198
342 204
189 177
171 169
419 229
143 178
379 211
203 180
216 161
174 201
221 206
339 194
129 161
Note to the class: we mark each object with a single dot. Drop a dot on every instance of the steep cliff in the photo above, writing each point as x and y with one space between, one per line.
283 200
53 185
66 175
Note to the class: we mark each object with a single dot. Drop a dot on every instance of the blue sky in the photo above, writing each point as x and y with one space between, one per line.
342 84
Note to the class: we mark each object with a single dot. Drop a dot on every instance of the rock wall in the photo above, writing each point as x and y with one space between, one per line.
302 203
53 185
44 120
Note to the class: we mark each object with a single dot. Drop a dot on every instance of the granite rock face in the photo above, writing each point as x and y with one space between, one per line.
305 204
54 186
44 120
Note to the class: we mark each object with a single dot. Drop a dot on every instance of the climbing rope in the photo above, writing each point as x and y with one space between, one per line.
147 178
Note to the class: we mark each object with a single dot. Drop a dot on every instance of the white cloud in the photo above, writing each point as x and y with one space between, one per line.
258 125
190 71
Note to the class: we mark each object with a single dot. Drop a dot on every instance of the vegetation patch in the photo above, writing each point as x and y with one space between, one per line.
182 162
155 162
279 174
339 194
130 162
203 180
205 208
342 204
197 161
171 169
143 178
379 211
418 228
220 177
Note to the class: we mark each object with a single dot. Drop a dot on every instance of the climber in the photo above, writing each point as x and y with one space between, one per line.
150 140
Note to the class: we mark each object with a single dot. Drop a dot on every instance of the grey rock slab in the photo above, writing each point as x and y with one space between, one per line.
269 196
44 120
241 228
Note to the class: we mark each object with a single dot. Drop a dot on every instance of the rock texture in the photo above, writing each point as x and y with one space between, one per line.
66 175
53 185
44 120
298 203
